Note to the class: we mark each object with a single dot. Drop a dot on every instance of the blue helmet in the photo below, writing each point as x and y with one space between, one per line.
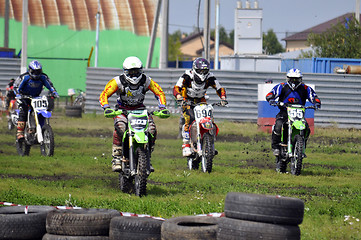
35 69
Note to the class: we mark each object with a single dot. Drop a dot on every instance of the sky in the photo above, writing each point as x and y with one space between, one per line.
283 16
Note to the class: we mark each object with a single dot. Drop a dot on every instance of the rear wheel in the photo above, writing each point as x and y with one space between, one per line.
125 183
47 148
207 152
140 180
22 147
296 162
193 163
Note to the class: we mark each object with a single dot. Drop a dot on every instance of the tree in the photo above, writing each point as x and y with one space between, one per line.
271 45
223 36
343 40
174 45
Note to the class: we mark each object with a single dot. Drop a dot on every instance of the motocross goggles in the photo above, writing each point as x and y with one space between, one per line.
133 72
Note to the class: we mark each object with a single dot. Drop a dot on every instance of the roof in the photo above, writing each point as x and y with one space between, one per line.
197 34
323 27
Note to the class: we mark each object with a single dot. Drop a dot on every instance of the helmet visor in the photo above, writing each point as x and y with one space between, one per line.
295 80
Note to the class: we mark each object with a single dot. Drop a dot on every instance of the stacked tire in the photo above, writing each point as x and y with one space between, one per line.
79 224
255 216
23 222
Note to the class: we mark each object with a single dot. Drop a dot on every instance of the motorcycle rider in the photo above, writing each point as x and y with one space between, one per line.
30 83
131 87
10 94
192 86
293 91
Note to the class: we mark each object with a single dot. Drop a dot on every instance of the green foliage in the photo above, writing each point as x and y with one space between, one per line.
174 45
341 41
224 37
79 173
271 45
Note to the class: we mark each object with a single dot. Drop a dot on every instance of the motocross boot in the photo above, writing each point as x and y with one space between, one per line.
186 147
117 154
20 130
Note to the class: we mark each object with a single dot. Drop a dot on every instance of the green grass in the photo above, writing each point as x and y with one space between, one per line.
80 174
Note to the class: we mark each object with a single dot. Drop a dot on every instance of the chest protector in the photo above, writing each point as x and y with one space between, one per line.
131 95
196 90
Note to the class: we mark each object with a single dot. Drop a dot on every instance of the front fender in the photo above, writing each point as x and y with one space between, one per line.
140 137
299 125
46 114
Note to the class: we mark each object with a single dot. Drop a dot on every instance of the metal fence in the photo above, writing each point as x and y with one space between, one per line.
340 94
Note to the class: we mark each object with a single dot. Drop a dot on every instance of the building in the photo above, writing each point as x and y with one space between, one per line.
298 41
191 47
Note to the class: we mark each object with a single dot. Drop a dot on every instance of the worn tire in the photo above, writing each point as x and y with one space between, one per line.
73 111
264 208
234 229
15 224
135 228
80 222
49 236
190 228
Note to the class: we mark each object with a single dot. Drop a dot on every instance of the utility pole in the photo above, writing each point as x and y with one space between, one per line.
357 11
97 36
6 27
163 58
206 32
216 52
24 44
153 35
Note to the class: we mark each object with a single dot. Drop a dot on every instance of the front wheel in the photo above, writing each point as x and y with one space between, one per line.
296 162
47 147
125 183
193 163
140 179
207 152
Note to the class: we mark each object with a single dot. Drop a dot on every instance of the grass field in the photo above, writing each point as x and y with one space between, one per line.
79 174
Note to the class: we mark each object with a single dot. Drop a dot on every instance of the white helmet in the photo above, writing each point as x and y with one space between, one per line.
294 78
133 69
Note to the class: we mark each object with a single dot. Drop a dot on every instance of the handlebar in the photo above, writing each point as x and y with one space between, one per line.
190 103
111 113
282 104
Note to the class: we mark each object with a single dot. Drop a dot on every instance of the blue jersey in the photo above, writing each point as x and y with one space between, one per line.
285 94
26 85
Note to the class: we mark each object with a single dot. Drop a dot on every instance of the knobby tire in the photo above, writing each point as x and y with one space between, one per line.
208 152
47 148
140 180
296 163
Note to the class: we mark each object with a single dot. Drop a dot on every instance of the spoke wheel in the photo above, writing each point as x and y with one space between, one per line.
125 183
193 163
140 180
47 147
22 147
296 162
207 152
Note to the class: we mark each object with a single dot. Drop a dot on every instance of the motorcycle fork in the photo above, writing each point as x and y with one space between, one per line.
199 139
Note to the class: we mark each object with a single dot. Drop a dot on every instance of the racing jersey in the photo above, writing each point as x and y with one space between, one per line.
131 96
189 89
285 94
26 85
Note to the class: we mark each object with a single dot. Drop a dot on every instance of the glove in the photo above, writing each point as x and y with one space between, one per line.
272 102
224 102
317 105
55 94
180 102
108 111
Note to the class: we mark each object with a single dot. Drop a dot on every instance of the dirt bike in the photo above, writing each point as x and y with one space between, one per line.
293 144
13 114
37 128
137 149
202 133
